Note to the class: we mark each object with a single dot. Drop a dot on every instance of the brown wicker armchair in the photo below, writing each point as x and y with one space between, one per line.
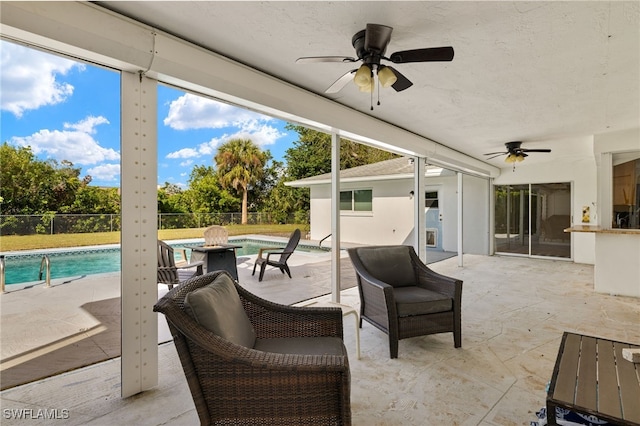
297 371
401 296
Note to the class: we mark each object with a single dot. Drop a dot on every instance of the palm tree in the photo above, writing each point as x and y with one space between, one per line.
240 164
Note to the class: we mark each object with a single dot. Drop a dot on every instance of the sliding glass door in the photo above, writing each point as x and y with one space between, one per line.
530 219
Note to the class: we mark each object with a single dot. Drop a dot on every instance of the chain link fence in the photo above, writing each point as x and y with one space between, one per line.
85 223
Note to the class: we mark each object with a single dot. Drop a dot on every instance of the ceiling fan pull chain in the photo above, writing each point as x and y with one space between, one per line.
378 80
372 100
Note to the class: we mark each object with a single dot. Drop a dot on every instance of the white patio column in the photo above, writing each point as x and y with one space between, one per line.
335 217
419 218
460 221
139 289
492 217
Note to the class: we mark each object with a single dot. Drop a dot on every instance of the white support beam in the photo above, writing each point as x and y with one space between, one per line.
419 218
335 217
460 220
139 288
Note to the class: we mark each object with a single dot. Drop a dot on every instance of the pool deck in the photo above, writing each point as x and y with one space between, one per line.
76 322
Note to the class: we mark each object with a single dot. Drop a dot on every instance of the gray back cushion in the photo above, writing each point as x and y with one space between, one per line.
217 307
390 264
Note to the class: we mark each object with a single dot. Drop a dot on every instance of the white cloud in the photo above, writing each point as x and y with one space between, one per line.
29 78
77 145
87 125
186 163
105 172
262 135
184 153
195 112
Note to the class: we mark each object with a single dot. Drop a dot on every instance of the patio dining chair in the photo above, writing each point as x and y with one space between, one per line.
172 273
401 296
280 262
215 235
249 361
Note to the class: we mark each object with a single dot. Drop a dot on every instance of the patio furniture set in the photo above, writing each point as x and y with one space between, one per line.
252 361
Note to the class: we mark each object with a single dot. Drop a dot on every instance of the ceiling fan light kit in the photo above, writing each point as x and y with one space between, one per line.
363 77
386 77
370 45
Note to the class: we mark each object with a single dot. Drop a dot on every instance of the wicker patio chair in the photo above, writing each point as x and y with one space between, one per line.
172 273
402 297
281 262
296 371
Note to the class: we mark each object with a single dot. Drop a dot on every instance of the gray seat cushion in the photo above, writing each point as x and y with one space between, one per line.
217 307
302 345
390 264
419 301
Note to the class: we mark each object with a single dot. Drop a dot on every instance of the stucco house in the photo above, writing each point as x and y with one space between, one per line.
376 206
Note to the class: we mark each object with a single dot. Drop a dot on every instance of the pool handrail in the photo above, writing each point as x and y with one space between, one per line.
2 266
45 262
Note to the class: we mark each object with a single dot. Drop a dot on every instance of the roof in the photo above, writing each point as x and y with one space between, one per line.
396 168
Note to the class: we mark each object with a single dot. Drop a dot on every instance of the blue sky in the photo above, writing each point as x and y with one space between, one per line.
67 110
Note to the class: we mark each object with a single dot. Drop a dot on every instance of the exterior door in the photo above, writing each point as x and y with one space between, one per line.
530 219
433 220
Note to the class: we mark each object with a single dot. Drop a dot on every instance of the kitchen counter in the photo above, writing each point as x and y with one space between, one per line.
617 269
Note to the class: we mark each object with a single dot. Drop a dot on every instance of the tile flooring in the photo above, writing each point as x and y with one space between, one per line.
514 313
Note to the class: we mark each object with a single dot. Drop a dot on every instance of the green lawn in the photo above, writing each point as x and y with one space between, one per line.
33 242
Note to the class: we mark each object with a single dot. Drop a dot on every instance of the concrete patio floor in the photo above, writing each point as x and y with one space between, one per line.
514 313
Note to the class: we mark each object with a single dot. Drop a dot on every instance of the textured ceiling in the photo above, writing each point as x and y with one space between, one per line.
547 73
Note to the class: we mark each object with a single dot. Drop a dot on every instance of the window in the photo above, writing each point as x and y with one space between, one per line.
357 200
431 199
626 191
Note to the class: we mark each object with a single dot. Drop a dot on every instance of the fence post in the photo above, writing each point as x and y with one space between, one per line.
51 224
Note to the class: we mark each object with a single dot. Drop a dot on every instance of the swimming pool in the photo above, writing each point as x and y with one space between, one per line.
23 268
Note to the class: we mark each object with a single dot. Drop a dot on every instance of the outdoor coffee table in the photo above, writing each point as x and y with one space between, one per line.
591 377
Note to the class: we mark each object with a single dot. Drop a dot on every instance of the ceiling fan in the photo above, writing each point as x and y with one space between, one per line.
371 44
514 152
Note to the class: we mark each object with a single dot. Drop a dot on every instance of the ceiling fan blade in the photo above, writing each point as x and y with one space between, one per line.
535 150
316 59
402 82
498 155
430 54
377 37
341 82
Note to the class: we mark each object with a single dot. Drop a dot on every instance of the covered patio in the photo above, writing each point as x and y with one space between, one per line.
514 313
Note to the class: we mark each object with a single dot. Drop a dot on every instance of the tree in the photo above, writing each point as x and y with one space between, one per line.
205 194
32 186
240 164
170 199
311 156
311 153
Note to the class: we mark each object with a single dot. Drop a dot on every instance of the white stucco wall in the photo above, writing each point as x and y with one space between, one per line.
391 221
475 206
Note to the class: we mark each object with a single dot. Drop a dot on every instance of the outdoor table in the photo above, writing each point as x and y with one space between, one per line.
222 256
591 377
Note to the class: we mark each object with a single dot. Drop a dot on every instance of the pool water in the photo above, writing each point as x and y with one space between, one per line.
25 268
